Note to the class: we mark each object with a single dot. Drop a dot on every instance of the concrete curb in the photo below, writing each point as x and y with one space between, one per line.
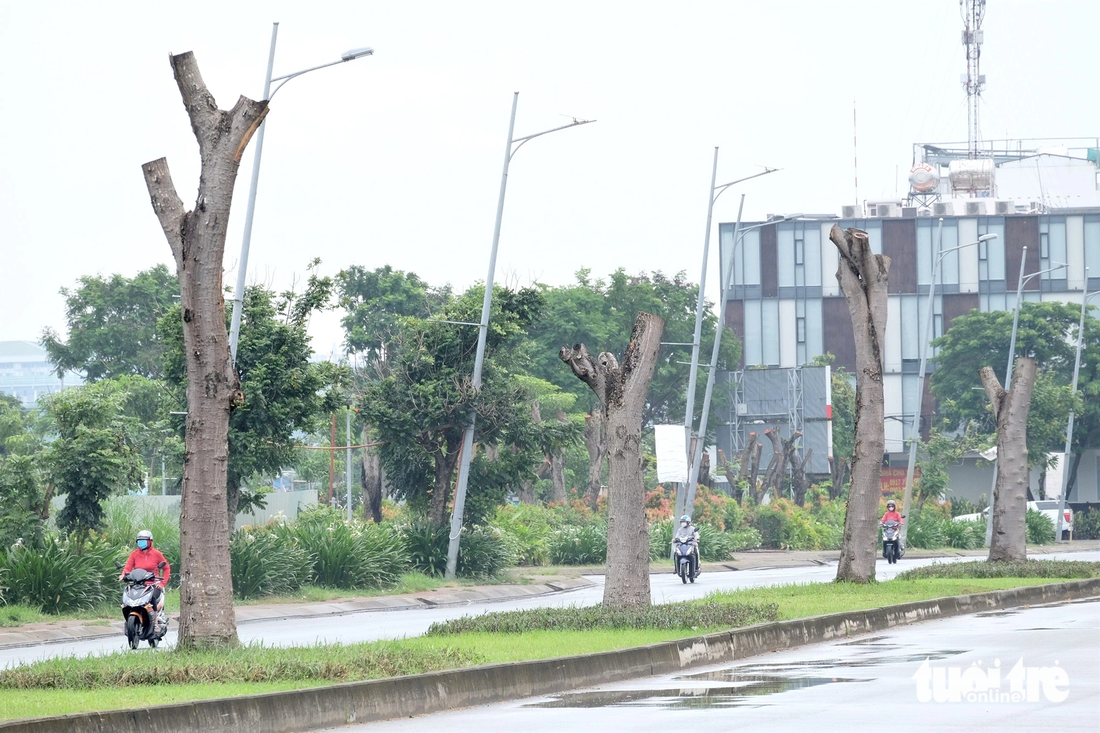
362 702
251 614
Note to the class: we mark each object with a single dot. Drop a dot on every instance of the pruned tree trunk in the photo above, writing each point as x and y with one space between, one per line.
704 471
863 277
799 480
197 240
371 478
775 465
594 443
622 391
1010 493
746 458
754 470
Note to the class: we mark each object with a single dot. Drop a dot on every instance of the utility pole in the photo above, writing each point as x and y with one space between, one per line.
347 442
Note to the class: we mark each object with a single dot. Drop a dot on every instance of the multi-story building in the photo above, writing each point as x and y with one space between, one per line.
26 373
787 307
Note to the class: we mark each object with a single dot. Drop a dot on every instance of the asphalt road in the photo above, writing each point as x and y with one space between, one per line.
885 682
373 625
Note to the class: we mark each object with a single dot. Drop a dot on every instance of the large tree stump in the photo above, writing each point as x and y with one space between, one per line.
622 391
594 443
197 240
1010 409
863 277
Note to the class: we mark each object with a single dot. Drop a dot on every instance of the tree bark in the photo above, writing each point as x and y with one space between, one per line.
775 465
863 277
446 458
1010 493
622 390
799 480
746 458
371 478
197 240
754 470
594 442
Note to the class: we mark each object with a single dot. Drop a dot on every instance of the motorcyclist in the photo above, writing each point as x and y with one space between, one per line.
891 514
147 557
687 530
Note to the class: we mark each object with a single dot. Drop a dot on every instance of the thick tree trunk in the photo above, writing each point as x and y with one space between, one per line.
800 480
594 442
622 391
1010 494
775 465
371 478
863 277
557 477
197 240
746 458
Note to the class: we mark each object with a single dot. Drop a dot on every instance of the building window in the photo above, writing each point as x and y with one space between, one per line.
801 327
799 250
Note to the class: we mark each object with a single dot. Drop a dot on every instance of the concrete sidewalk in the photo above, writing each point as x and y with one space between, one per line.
62 631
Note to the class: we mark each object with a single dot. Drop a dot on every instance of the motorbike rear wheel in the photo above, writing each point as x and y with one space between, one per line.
133 631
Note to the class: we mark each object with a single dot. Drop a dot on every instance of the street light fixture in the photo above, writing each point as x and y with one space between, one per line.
483 331
689 409
242 266
1073 391
1008 370
914 433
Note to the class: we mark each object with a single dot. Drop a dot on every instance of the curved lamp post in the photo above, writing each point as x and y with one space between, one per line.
689 410
242 266
513 146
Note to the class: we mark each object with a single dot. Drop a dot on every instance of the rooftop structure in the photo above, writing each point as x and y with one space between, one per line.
26 373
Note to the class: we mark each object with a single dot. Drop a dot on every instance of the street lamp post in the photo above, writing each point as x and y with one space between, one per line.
914 433
483 331
725 283
242 266
1008 371
1073 391
689 411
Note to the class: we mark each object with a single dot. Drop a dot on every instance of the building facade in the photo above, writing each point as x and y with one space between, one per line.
26 373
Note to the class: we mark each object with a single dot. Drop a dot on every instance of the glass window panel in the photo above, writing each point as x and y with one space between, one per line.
924 252
750 247
753 354
1057 237
910 327
812 239
1092 245
995 249
725 239
949 268
769 324
909 401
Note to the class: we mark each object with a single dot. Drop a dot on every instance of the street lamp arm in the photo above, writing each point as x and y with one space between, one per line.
522 140
1059 266
296 74
722 189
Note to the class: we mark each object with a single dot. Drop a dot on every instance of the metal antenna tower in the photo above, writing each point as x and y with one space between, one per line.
973 12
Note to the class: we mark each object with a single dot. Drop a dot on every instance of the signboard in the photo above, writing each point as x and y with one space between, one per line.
893 480
671 448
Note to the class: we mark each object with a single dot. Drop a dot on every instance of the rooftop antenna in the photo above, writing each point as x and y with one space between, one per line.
973 12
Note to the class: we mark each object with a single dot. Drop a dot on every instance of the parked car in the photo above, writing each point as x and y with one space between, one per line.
1048 507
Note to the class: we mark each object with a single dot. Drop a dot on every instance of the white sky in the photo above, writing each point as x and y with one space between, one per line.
396 158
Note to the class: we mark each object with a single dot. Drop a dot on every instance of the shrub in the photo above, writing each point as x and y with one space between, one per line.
347 555
1040 530
573 618
482 551
585 545
265 563
744 538
986 569
960 506
63 576
927 531
968 535
782 525
1086 524
526 531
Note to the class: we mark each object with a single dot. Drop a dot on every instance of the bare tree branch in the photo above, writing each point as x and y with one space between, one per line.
166 204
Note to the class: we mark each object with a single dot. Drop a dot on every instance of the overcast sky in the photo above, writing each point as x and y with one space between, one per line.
396 158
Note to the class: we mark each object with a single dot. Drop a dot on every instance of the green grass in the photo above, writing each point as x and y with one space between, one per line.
118 680
1027 569
409 583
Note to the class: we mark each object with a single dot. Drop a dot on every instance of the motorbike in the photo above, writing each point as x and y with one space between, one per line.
891 541
143 621
683 552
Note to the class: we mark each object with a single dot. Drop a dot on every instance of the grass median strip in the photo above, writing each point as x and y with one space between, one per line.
130 679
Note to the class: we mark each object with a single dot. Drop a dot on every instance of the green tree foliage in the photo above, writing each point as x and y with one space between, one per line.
21 501
600 314
283 391
93 455
1047 333
112 325
423 399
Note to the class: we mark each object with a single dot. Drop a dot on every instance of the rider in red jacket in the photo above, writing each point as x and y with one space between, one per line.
891 514
148 558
